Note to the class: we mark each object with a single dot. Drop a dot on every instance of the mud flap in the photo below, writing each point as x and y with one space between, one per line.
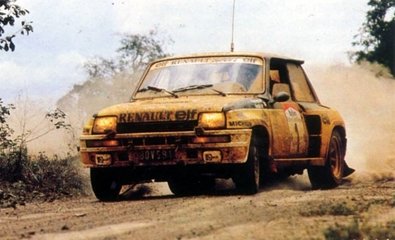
347 170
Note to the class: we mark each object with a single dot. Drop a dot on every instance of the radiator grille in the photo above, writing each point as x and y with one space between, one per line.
174 126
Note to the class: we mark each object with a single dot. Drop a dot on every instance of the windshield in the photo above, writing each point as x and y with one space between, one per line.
225 75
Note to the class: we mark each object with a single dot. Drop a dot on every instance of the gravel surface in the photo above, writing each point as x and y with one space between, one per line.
285 210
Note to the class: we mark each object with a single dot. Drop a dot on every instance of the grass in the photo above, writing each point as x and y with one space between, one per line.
24 179
391 202
358 228
345 209
343 232
380 231
356 231
335 209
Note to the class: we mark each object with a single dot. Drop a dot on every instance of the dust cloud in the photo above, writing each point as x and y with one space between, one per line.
31 126
365 96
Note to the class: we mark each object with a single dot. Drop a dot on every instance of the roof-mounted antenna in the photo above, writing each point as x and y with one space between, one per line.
232 45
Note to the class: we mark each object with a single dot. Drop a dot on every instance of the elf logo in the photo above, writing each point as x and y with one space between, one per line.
181 115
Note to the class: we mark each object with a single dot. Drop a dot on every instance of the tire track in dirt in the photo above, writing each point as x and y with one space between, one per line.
274 213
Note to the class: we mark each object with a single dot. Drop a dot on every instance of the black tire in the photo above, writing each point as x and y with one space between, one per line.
183 186
105 184
331 174
247 179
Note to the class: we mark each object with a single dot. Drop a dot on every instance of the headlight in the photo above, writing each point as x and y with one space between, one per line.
87 127
212 120
104 125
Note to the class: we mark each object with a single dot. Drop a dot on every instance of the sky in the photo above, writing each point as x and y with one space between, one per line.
67 33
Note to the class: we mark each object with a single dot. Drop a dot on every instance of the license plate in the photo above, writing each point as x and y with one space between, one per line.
103 159
153 155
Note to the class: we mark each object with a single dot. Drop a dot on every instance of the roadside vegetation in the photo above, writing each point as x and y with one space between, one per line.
39 178
24 177
11 13
376 37
353 219
356 230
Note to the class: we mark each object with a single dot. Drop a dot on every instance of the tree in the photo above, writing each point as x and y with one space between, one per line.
113 80
377 35
9 12
138 50
135 52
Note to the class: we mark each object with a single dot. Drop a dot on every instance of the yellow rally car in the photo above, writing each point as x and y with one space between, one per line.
192 119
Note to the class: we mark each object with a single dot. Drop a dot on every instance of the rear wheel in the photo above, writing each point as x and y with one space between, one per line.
105 184
331 174
248 177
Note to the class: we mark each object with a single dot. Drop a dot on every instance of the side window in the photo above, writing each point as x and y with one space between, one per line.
300 87
277 74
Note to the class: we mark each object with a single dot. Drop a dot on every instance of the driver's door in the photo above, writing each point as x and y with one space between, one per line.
290 137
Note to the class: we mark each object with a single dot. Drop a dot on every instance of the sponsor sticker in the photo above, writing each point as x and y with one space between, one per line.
208 60
180 115
291 113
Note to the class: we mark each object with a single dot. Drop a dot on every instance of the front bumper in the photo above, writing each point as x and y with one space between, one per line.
166 148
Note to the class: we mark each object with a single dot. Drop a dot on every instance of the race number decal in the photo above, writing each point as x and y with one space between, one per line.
296 128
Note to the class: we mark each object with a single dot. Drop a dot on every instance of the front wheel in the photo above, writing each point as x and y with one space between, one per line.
331 174
248 177
104 183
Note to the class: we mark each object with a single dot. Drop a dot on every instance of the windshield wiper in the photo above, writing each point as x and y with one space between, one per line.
156 89
220 92
192 87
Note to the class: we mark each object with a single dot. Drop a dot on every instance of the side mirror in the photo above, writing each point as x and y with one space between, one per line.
281 97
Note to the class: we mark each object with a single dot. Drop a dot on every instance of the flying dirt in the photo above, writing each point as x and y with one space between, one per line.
365 97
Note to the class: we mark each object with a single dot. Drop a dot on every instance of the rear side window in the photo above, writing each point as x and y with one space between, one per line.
299 85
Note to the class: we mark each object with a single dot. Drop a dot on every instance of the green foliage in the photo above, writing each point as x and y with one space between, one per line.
5 130
24 177
57 118
12 164
54 175
40 177
377 35
9 12
134 53
138 50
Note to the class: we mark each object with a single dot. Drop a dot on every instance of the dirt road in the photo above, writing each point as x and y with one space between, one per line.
286 210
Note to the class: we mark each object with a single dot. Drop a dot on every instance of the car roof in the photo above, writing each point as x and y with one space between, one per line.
267 56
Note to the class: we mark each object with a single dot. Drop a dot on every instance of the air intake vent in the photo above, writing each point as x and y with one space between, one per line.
141 127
